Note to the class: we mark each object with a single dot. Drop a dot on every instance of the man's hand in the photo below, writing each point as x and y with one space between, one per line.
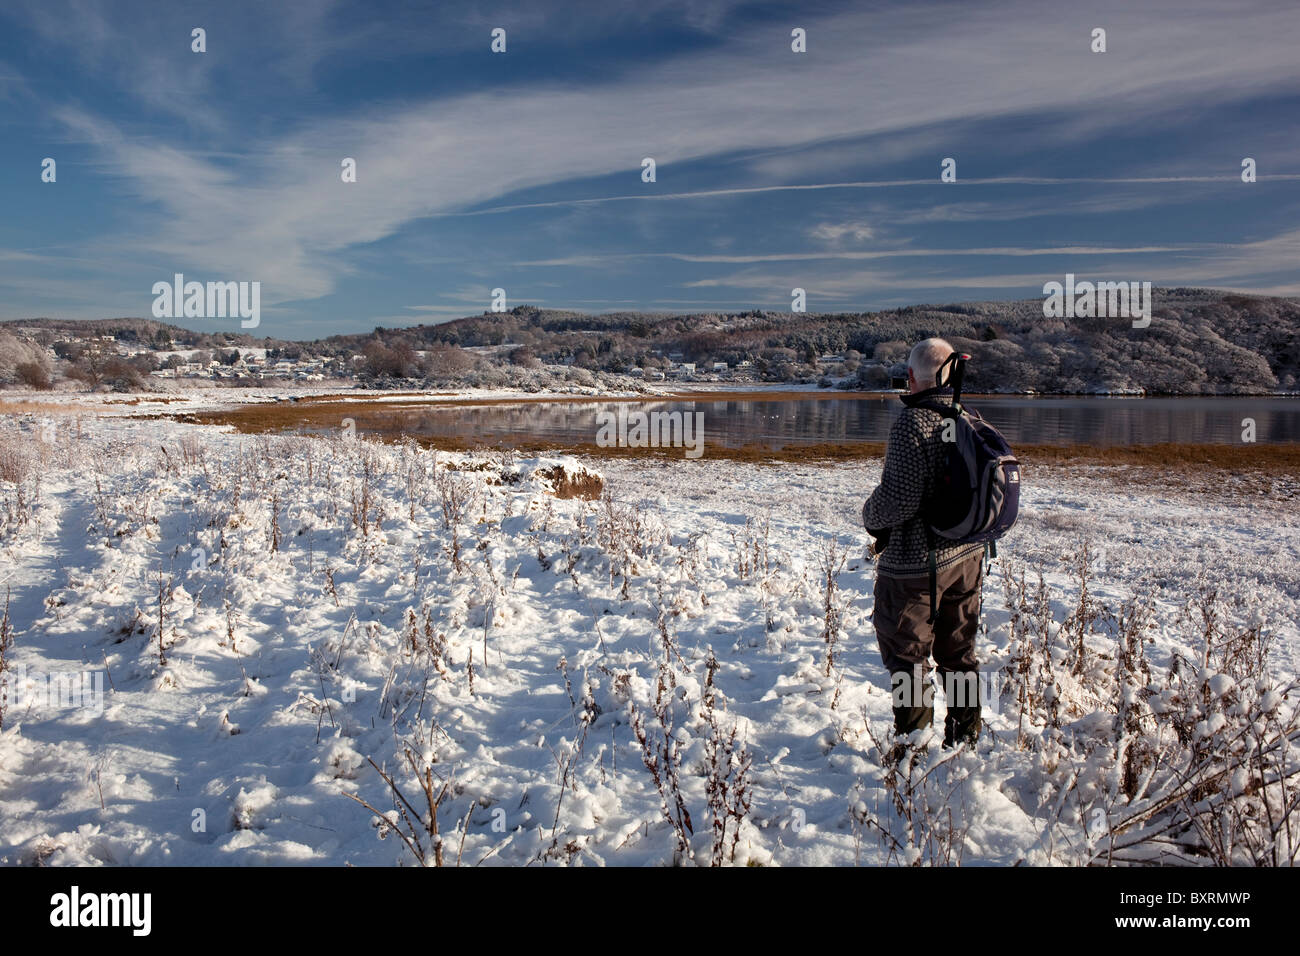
879 541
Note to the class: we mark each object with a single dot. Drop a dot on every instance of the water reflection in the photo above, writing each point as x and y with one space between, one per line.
1026 419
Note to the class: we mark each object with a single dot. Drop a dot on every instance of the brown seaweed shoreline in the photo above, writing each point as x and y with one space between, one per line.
386 419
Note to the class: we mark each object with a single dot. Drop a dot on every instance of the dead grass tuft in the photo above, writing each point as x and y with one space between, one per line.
566 484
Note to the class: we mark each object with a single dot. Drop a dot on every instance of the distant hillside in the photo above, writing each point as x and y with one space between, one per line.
1199 341
143 331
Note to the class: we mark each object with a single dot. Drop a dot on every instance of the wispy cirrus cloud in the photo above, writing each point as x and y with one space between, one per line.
855 230
234 196
859 255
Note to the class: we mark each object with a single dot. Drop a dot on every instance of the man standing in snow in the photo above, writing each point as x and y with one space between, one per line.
894 516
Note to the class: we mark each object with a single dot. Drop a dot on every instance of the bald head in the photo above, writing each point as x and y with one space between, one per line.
925 360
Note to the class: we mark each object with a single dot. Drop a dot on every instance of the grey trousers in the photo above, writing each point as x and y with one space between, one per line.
901 615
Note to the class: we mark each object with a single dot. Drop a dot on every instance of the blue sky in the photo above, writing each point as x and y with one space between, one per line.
522 170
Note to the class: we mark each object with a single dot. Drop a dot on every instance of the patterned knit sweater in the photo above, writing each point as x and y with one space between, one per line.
912 461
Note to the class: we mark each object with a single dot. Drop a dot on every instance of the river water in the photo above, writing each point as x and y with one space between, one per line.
732 422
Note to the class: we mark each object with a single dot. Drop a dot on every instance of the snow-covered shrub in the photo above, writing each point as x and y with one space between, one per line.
23 363
728 789
1197 764
6 646
20 471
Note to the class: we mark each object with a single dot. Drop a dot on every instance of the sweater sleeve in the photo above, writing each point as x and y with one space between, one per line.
897 499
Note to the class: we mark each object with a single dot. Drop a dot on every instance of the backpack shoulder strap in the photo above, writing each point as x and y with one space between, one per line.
933 555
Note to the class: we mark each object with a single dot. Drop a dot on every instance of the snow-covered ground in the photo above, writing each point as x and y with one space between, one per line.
325 603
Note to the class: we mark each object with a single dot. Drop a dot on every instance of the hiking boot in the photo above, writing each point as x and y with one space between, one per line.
913 709
961 725
908 719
